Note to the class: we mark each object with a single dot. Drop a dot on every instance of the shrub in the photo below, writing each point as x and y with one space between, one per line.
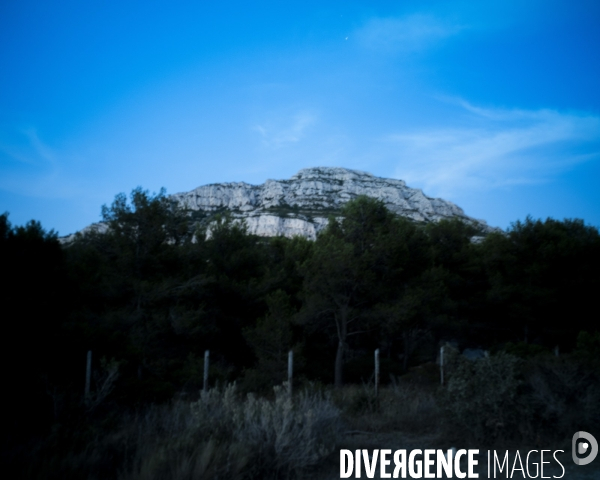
525 350
482 397
544 398
224 436
284 434
565 393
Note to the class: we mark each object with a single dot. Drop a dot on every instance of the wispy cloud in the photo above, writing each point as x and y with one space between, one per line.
405 34
278 134
499 148
26 147
30 166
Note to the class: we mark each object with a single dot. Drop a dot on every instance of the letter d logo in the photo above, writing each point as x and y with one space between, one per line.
584 447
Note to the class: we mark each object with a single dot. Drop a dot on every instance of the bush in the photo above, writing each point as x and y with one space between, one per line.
226 436
482 397
502 397
565 393
525 350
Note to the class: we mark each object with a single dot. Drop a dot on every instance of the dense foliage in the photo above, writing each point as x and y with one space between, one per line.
150 295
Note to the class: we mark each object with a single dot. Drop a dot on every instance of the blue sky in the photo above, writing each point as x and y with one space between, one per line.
493 105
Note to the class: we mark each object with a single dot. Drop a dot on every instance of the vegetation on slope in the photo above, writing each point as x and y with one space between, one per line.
149 297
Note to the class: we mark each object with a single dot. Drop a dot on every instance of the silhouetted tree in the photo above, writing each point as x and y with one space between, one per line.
543 278
353 264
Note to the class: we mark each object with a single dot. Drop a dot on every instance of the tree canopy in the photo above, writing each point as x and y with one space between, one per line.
153 292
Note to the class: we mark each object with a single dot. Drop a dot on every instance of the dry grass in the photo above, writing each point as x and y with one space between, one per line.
226 436
404 406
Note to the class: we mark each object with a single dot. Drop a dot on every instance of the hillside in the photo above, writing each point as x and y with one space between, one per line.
302 204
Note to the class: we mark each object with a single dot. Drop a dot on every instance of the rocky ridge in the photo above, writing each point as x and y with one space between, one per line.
302 204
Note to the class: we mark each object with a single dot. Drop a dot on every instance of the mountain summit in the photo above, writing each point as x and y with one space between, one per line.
302 204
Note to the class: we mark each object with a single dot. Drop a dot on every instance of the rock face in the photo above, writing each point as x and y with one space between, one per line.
302 204
99 227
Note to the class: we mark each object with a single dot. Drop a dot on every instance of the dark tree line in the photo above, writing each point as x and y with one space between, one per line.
150 295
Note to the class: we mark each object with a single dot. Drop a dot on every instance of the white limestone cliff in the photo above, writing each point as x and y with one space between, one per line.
302 204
